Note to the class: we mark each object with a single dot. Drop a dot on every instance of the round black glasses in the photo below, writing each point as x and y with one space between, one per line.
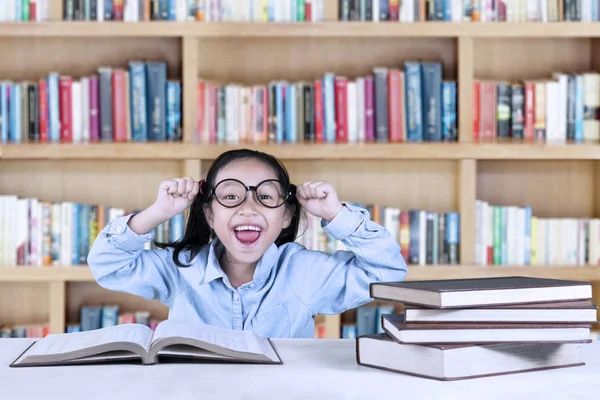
232 193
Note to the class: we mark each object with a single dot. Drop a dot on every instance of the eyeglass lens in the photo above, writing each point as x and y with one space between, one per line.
231 193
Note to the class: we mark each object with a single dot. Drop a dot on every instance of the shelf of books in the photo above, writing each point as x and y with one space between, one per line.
471 141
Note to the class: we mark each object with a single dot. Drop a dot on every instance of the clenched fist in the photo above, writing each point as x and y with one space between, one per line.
175 195
320 199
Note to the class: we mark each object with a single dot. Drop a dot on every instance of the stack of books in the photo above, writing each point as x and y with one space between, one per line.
467 328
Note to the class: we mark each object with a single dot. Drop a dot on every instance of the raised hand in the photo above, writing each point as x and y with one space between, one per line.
320 199
175 195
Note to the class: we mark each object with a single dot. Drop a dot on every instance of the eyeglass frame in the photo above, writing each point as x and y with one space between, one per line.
212 192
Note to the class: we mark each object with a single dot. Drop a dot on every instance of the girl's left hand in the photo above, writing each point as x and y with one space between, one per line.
320 199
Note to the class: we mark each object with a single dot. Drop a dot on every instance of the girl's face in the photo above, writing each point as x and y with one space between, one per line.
246 230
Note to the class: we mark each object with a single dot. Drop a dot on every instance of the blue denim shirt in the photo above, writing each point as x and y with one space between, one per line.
291 284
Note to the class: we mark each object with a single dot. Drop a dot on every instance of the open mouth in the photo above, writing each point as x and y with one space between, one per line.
247 234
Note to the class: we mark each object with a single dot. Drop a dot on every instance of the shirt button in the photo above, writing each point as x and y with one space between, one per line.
120 228
252 285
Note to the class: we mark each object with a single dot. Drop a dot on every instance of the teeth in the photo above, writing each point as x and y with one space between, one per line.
248 228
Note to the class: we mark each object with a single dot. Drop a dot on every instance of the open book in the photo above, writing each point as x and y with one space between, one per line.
172 341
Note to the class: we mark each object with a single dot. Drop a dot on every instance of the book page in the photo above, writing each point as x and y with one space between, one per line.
241 341
69 342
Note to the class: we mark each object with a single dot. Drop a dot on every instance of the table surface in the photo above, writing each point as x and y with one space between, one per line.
312 369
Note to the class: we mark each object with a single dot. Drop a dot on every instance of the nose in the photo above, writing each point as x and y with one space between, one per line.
250 205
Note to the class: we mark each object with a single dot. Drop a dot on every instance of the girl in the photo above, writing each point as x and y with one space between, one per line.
237 265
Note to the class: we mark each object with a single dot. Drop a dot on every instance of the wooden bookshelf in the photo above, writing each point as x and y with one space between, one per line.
507 150
556 180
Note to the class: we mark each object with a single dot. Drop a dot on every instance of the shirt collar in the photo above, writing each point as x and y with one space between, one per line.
213 269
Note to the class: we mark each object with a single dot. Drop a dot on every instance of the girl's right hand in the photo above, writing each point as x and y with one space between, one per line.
175 195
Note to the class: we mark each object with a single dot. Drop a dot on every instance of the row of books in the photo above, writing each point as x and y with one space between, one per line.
410 103
102 316
24 10
118 104
553 109
36 232
194 10
425 237
528 324
512 235
33 330
472 10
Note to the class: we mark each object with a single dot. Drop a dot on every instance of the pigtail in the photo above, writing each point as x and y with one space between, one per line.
288 234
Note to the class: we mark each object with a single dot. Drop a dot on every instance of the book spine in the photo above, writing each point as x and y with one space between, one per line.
414 116
309 117
329 107
449 129
432 106
341 109
518 111
380 79
118 106
503 110
34 122
66 118
291 115
156 73
43 110
394 102
106 107
139 108
94 111
318 104
369 109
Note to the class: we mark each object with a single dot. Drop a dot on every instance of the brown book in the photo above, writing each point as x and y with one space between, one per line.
478 292
481 333
568 311
454 362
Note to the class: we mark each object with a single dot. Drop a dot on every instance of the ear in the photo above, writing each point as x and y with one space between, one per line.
209 217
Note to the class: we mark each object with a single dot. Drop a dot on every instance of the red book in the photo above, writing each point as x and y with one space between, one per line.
529 133
318 97
476 110
66 117
308 10
200 113
394 104
212 112
43 109
341 109
119 101
32 10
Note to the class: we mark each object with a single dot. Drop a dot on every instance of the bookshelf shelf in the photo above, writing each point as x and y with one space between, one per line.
81 273
325 29
510 150
557 180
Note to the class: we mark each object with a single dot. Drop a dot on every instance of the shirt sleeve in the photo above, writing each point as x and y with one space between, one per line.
119 262
334 283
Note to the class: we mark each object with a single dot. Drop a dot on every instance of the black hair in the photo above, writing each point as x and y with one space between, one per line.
198 232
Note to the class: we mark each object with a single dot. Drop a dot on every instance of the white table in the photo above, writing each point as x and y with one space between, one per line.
313 369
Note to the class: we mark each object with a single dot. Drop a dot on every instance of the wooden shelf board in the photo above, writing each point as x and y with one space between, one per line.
366 151
348 29
79 273
588 272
